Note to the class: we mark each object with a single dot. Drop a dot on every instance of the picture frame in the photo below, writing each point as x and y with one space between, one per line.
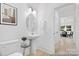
8 14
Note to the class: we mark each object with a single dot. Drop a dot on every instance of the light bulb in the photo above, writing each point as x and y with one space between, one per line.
30 9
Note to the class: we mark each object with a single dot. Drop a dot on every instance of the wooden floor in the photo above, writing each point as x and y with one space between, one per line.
40 52
63 47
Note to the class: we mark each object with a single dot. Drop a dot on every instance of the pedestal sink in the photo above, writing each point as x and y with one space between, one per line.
33 36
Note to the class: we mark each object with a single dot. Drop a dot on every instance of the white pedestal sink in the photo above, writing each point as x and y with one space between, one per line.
33 36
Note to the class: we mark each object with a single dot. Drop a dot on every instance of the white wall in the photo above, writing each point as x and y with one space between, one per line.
77 27
9 32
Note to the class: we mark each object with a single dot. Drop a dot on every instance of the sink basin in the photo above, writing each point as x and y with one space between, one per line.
33 36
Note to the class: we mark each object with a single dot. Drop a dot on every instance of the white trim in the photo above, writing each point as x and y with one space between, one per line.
8 42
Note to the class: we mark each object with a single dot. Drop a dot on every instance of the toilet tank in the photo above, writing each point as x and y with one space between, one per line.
9 47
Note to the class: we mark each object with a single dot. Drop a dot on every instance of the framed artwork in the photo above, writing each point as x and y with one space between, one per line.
8 14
